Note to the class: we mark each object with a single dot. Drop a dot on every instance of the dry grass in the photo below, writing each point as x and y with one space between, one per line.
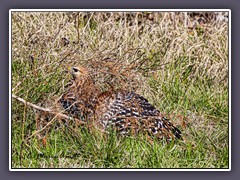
179 65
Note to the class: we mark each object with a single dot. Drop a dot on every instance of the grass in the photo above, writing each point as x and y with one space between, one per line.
180 68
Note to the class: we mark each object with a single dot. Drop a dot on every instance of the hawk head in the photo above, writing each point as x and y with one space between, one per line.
79 72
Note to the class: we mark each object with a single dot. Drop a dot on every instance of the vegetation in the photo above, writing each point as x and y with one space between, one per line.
180 66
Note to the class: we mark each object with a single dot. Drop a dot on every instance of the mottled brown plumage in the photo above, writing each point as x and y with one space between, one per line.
80 98
124 111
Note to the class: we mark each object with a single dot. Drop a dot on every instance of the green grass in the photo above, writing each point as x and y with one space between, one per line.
180 70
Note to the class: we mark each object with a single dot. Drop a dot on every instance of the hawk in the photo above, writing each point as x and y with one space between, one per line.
124 111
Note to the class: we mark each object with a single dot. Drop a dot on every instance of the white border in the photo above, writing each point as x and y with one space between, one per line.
115 10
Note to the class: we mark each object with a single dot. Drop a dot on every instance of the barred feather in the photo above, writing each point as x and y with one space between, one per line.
127 112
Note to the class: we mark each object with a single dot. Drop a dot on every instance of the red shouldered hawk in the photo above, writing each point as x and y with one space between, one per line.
126 112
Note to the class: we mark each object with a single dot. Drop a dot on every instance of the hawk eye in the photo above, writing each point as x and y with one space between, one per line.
75 69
